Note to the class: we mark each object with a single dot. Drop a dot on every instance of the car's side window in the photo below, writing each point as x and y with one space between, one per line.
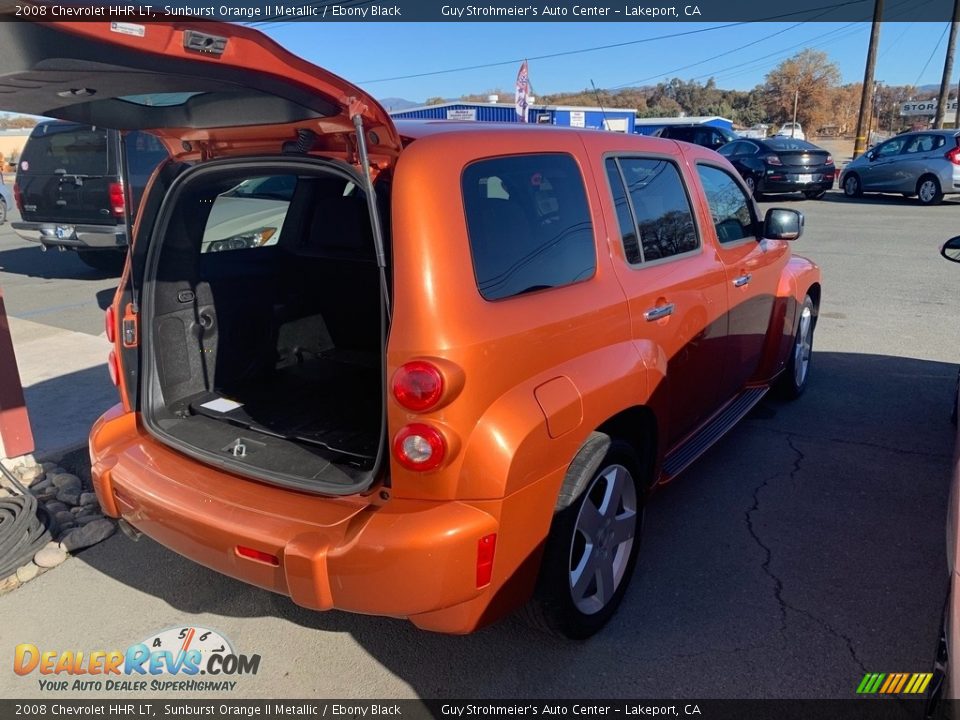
923 143
528 223
891 147
660 210
731 149
729 205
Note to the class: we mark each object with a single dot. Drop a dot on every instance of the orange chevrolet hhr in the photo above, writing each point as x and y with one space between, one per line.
426 370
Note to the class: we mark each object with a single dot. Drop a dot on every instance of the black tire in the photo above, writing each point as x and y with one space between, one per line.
929 191
793 381
3 211
851 186
814 194
106 261
601 466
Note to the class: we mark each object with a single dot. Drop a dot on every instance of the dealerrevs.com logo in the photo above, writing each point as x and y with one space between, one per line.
170 661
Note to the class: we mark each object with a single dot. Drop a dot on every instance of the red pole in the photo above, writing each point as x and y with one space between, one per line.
16 438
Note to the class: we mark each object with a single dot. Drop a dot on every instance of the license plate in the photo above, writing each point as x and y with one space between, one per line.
804 178
64 232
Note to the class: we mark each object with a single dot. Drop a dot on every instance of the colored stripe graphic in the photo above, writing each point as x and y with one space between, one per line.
894 683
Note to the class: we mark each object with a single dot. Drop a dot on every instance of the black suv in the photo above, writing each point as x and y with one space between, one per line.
705 135
70 190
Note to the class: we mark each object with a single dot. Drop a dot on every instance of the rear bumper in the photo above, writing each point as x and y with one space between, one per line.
795 183
70 235
401 558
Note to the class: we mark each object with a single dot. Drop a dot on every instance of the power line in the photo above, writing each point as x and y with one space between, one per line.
609 46
933 52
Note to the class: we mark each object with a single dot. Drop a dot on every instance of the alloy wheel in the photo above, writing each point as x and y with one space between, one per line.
602 539
803 347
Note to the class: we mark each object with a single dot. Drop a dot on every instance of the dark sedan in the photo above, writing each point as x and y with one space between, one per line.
781 165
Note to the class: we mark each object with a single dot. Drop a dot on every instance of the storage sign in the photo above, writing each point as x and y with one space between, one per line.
462 114
925 107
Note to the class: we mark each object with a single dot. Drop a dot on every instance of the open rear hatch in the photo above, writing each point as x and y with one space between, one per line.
257 300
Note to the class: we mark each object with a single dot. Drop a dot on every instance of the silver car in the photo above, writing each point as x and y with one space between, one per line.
925 163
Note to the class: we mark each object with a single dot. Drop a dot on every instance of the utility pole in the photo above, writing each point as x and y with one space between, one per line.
947 68
866 98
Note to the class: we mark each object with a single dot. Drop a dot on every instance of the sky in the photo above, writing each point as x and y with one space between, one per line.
371 53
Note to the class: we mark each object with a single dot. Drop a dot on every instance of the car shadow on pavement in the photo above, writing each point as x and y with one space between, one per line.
813 534
52 265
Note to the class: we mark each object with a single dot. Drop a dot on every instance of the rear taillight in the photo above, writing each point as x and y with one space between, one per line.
417 385
18 196
116 199
954 155
773 160
829 160
419 447
110 324
113 367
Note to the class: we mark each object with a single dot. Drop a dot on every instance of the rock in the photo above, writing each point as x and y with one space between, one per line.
69 497
64 518
29 474
89 498
5 493
50 467
66 481
9 583
54 507
27 573
84 519
50 556
89 534
41 486
77 509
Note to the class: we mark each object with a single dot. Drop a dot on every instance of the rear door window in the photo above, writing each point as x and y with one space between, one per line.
66 149
659 205
528 224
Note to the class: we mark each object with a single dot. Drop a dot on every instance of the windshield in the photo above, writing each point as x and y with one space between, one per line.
67 149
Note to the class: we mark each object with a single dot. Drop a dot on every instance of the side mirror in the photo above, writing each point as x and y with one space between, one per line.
871 156
951 250
783 224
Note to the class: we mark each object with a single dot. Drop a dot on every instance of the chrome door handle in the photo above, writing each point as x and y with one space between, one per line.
660 311
742 280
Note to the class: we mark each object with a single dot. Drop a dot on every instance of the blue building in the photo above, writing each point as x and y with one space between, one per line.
648 126
616 119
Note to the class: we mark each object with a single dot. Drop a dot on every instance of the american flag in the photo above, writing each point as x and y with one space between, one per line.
523 89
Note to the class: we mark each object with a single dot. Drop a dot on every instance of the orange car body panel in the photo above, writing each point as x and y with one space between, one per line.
528 378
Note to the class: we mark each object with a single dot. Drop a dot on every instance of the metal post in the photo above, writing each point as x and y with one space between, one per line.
16 438
796 99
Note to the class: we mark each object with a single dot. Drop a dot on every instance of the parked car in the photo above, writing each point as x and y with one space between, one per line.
945 685
70 192
474 351
924 164
782 165
793 130
705 135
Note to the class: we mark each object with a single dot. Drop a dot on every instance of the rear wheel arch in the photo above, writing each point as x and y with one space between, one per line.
636 427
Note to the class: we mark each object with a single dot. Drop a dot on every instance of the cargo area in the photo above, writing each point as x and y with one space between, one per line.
264 312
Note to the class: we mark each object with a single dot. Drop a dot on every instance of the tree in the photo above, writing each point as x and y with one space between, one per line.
435 101
809 76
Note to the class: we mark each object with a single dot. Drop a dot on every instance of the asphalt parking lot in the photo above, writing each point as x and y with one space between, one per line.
802 551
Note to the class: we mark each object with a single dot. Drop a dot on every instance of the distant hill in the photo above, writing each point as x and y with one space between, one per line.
395 103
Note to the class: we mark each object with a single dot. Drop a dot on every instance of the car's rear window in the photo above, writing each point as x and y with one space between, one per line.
529 224
790 144
70 149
